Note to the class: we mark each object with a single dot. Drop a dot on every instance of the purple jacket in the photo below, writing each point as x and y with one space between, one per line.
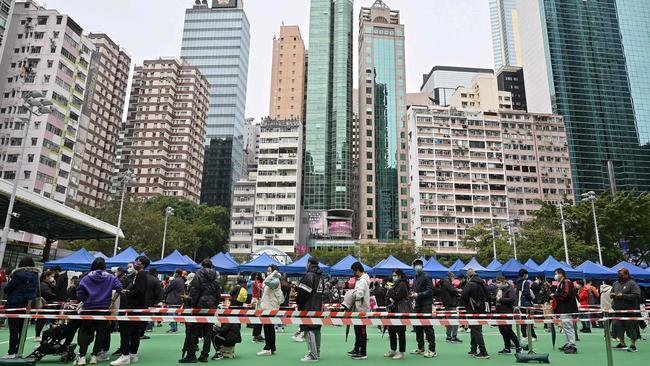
95 289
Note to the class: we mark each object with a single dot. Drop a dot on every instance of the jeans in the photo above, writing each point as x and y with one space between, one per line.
269 337
173 326
395 333
452 331
568 329
585 324
92 329
476 333
509 337
420 332
360 339
130 333
313 342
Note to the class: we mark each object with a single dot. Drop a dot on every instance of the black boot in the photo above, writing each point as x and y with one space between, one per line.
203 357
188 357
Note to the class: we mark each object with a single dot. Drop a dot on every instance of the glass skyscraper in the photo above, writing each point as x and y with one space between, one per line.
504 20
328 167
587 60
383 202
216 39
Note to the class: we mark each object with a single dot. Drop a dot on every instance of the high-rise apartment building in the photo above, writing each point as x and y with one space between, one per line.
165 129
441 82
587 61
277 193
5 13
216 39
482 95
506 42
383 166
472 166
288 75
45 51
251 144
511 79
328 167
242 216
95 152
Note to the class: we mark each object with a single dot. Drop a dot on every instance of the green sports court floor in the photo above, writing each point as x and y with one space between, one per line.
164 349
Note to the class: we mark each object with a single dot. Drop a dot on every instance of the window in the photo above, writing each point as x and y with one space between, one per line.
43 20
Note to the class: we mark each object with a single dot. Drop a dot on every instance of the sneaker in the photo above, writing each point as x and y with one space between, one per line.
102 356
265 352
37 339
632 348
80 361
620 347
505 352
587 330
352 353
308 358
360 356
471 353
455 340
519 350
171 331
417 352
9 356
134 357
482 356
217 356
145 337
297 338
570 350
398 356
563 347
258 339
203 358
429 354
188 359
117 353
93 360
390 354
448 340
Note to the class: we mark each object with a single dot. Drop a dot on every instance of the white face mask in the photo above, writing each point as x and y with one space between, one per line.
395 278
418 268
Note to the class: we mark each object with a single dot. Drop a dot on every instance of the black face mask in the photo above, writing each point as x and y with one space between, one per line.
622 278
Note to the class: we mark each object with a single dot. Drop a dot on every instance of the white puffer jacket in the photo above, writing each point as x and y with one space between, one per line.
272 296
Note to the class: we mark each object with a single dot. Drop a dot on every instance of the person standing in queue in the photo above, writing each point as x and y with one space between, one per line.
398 302
310 298
173 295
564 305
475 298
130 331
626 295
361 304
505 301
449 296
20 292
204 293
422 293
271 299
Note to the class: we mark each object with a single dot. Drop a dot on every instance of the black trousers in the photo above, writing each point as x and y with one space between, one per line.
92 329
40 324
420 332
476 335
257 330
360 339
524 331
15 328
395 333
509 336
269 337
130 333
193 332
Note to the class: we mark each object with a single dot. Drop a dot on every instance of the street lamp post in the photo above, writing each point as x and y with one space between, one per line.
36 105
123 180
511 224
591 197
169 211
563 222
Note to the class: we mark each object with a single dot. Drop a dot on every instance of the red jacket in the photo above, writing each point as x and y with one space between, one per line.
583 295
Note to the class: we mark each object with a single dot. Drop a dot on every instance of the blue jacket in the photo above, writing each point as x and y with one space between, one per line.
22 287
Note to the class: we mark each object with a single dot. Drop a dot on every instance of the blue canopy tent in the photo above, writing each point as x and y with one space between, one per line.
551 264
424 260
100 255
457 266
636 272
123 258
342 268
480 270
299 267
78 261
494 265
173 262
190 260
387 266
434 269
511 268
225 264
530 263
596 271
259 264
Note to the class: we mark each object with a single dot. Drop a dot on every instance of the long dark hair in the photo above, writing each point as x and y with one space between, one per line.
400 274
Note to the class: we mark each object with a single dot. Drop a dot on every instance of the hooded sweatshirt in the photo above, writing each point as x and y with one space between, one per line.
96 288
205 292
605 298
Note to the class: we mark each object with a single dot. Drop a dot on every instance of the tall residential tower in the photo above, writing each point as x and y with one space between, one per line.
288 75
506 42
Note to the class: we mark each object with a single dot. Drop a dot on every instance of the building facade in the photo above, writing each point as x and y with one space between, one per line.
216 39
279 183
328 167
242 216
45 51
506 41
383 167
441 82
288 75
99 127
251 145
5 14
583 60
166 128
472 166
481 95
511 79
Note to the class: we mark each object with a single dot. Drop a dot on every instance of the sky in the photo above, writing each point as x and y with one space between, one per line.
438 32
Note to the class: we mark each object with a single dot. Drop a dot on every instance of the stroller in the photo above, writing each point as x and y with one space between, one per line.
57 341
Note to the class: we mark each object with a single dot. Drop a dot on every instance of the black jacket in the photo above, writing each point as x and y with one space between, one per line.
230 334
423 286
380 295
399 295
448 293
61 287
631 295
506 305
136 292
47 292
310 290
173 294
565 298
475 296
154 290
205 291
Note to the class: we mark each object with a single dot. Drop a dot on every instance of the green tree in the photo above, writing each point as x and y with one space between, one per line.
483 237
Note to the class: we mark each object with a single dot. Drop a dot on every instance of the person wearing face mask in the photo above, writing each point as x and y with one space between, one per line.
449 296
361 304
564 305
309 297
398 302
505 304
525 300
271 299
475 298
422 293
625 295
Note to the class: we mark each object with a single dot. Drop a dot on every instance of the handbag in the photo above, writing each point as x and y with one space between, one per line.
39 302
